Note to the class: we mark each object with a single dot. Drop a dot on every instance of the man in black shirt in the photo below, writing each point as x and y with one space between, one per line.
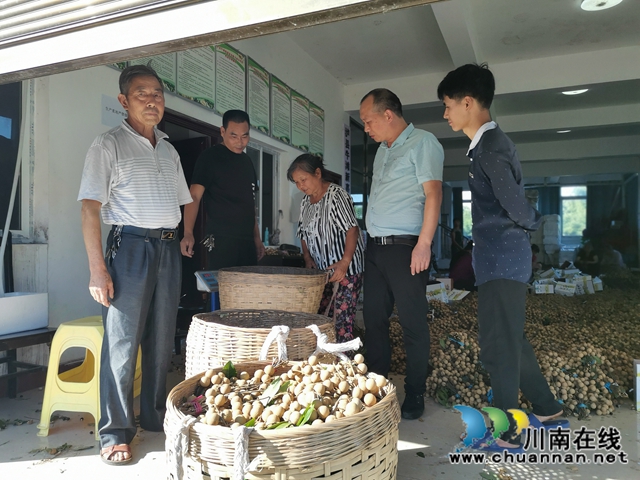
224 174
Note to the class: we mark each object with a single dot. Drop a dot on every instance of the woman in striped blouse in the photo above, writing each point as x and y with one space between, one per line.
330 239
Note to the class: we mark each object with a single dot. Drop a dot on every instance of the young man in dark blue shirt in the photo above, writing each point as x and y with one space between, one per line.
502 218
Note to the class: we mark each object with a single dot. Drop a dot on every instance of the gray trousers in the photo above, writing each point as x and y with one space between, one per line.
146 275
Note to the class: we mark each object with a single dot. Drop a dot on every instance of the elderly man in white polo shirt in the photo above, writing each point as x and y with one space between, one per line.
133 178
402 216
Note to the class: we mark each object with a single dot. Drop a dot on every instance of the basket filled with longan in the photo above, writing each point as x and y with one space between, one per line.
304 420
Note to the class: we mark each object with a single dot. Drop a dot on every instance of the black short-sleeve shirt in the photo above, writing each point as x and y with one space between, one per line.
229 180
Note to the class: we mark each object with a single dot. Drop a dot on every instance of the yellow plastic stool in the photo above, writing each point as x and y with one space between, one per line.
78 389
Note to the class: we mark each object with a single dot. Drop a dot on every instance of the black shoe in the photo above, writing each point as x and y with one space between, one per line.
412 407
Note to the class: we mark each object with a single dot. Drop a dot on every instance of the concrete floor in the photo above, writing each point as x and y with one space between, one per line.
423 448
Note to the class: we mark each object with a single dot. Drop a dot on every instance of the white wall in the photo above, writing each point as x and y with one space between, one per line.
69 118
285 59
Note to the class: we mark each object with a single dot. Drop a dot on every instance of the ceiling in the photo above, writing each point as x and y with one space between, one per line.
536 49
400 43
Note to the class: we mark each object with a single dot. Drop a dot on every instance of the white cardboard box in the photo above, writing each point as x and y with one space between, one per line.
566 289
570 272
448 283
550 239
455 295
597 284
542 288
548 273
22 311
438 292
551 228
583 283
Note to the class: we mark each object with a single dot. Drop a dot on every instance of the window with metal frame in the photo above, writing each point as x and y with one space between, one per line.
573 210
10 117
265 161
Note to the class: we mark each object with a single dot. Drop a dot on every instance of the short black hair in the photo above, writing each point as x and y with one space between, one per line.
471 80
535 248
133 71
307 162
383 100
235 116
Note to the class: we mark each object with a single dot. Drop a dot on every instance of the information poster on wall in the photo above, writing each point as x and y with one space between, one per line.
230 79
165 66
299 121
196 75
258 96
316 130
280 110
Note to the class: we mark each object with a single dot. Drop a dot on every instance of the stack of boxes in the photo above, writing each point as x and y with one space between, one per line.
537 239
551 235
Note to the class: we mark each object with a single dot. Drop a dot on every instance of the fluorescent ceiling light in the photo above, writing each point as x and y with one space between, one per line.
595 5
563 131
575 92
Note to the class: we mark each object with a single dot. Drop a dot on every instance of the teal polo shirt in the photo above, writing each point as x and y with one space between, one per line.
396 201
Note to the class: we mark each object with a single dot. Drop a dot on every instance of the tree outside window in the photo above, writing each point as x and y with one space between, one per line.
466 213
574 213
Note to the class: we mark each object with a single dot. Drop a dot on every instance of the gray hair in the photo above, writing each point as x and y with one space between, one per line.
133 71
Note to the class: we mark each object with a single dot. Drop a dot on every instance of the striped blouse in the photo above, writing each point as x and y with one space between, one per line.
324 225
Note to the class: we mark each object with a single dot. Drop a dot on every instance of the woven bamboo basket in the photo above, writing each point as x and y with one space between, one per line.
363 446
280 288
238 335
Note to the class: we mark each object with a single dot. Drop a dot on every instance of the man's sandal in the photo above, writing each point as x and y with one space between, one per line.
107 452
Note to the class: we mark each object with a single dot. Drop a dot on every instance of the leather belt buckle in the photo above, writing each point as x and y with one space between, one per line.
167 234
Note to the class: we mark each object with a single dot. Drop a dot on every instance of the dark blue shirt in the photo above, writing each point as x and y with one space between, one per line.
501 214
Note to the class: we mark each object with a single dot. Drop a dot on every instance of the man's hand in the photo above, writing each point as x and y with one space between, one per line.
101 287
339 271
420 258
260 250
186 245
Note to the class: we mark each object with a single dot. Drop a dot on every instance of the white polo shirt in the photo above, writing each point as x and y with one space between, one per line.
136 183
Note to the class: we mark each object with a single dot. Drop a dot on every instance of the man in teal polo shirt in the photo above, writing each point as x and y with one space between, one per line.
402 217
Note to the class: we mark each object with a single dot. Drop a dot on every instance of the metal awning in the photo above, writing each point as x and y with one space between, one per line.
23 21
44 37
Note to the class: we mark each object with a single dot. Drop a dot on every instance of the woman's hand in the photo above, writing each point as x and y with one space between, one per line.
339 270
309 263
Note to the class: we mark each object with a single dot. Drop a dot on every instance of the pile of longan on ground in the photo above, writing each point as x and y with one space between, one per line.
585 346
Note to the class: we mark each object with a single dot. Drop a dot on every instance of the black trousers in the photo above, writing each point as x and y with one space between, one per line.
388 280
506 353
232 252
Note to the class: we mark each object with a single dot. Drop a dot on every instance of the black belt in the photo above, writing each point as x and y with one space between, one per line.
410 240
161 233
